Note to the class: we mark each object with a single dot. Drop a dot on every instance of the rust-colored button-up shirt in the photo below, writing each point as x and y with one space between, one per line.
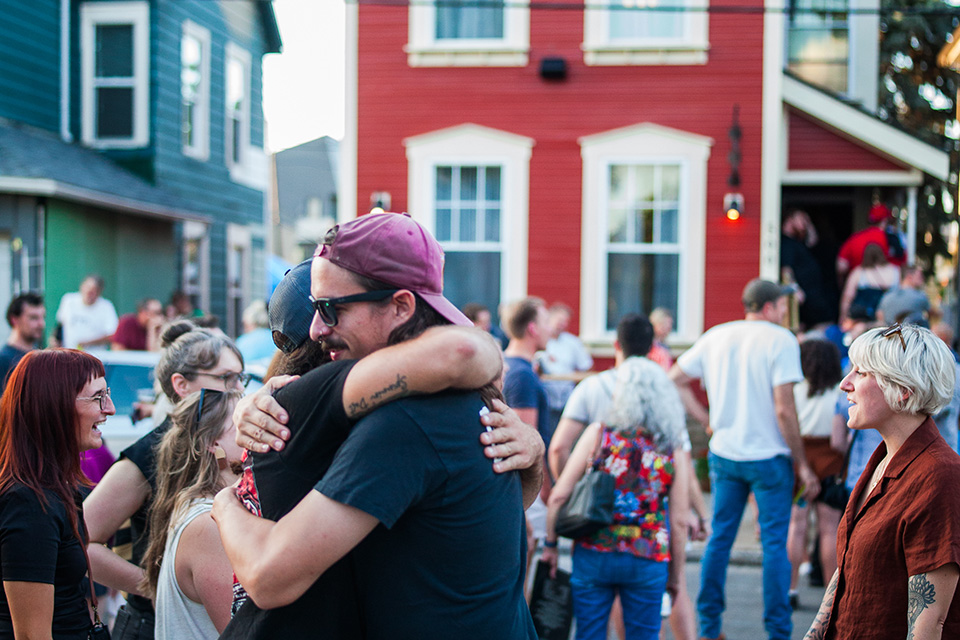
909 525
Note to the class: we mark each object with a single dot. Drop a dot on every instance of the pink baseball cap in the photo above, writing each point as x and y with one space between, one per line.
393 248
878 213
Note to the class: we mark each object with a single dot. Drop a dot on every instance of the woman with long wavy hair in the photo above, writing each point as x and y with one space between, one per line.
187 571
193 358
53 405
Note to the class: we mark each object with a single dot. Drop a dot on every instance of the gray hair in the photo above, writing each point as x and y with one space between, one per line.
195 350
924 372
645 400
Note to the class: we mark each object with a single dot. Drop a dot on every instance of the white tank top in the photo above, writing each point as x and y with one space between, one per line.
177 616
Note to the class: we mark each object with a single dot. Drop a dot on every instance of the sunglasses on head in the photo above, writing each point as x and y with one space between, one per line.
327 307
896 330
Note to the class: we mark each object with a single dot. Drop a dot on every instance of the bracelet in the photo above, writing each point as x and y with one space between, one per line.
550 545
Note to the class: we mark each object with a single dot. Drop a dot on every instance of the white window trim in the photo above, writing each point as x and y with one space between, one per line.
599 50
425 50
643 144
198 231
238 237
241 55
474 145
200 150
138 15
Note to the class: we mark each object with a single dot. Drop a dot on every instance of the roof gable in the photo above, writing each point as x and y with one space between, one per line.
813 145
864 129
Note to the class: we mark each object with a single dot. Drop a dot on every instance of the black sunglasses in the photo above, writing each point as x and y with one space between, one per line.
204 394
327 307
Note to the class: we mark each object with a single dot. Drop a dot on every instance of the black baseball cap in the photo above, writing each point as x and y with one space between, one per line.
290 309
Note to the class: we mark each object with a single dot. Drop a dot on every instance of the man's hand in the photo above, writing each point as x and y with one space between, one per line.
261 421
517 444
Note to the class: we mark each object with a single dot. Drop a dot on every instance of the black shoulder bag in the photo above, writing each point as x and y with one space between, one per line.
590 506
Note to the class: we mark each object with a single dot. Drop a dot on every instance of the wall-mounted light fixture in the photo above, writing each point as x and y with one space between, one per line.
733 201
380 201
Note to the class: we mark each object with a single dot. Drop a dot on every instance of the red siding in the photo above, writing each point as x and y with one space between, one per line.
396 101
813 146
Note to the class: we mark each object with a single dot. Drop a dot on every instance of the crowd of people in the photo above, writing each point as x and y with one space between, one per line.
401 467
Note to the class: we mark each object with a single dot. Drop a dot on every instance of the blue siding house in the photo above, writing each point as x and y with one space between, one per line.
131 145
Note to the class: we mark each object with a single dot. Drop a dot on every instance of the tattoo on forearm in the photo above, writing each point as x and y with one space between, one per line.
392 391
920 595
818 630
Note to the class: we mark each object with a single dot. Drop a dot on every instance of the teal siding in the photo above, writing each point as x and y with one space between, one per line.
206 183
30 62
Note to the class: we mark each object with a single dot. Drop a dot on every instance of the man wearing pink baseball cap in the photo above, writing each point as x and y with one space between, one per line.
409 488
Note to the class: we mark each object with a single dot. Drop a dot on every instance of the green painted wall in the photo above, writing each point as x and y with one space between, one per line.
137 257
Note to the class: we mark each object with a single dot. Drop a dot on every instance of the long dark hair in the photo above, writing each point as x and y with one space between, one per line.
39 426
820 362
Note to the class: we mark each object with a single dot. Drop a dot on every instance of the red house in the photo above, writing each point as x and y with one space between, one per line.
581 153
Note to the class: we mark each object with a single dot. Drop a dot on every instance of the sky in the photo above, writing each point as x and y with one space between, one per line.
303 87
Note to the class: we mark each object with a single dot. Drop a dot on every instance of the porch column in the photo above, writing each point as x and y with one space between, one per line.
911 225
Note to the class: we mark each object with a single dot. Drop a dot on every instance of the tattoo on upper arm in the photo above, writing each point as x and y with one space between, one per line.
392 391
920 595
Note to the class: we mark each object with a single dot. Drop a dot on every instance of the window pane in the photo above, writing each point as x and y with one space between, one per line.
469 19
636 24
638 283
670 183
618 225
114 50
236 128
190 53
644 180
668 225
468 225
114 112
444 181
644 226
493 183
186 124
472 276
443 225
236 84
618 183
468 183
491 225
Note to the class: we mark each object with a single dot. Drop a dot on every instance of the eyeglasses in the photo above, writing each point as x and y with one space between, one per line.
327 307
101 397
204 394
229 379
896 330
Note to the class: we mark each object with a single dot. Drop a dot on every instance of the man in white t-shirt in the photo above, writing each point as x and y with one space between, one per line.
748 368
87 319
565 356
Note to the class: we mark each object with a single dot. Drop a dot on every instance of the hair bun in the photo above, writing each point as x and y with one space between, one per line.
173 330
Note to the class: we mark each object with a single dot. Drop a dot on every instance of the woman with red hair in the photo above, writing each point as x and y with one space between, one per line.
51 411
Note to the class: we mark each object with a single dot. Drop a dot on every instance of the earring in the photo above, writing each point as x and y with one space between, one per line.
221 457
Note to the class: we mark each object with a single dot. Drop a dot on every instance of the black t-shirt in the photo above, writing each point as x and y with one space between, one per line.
447 559
37 544
9 357
274 483
143 453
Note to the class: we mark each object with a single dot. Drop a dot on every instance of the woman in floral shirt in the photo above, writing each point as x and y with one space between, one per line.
632 556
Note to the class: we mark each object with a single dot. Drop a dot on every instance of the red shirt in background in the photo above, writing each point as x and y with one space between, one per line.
130 334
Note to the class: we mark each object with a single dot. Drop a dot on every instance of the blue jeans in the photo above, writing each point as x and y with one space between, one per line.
771 482
598 576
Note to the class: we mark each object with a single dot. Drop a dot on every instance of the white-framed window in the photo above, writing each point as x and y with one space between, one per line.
239 251
469 186
196 264
818 42
195 91
450 33
115 74
639 32
237 99
644 219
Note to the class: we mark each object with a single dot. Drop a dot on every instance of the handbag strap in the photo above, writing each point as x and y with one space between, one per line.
592 462
93 595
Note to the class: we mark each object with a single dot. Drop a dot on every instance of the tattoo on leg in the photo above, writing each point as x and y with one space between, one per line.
920 595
